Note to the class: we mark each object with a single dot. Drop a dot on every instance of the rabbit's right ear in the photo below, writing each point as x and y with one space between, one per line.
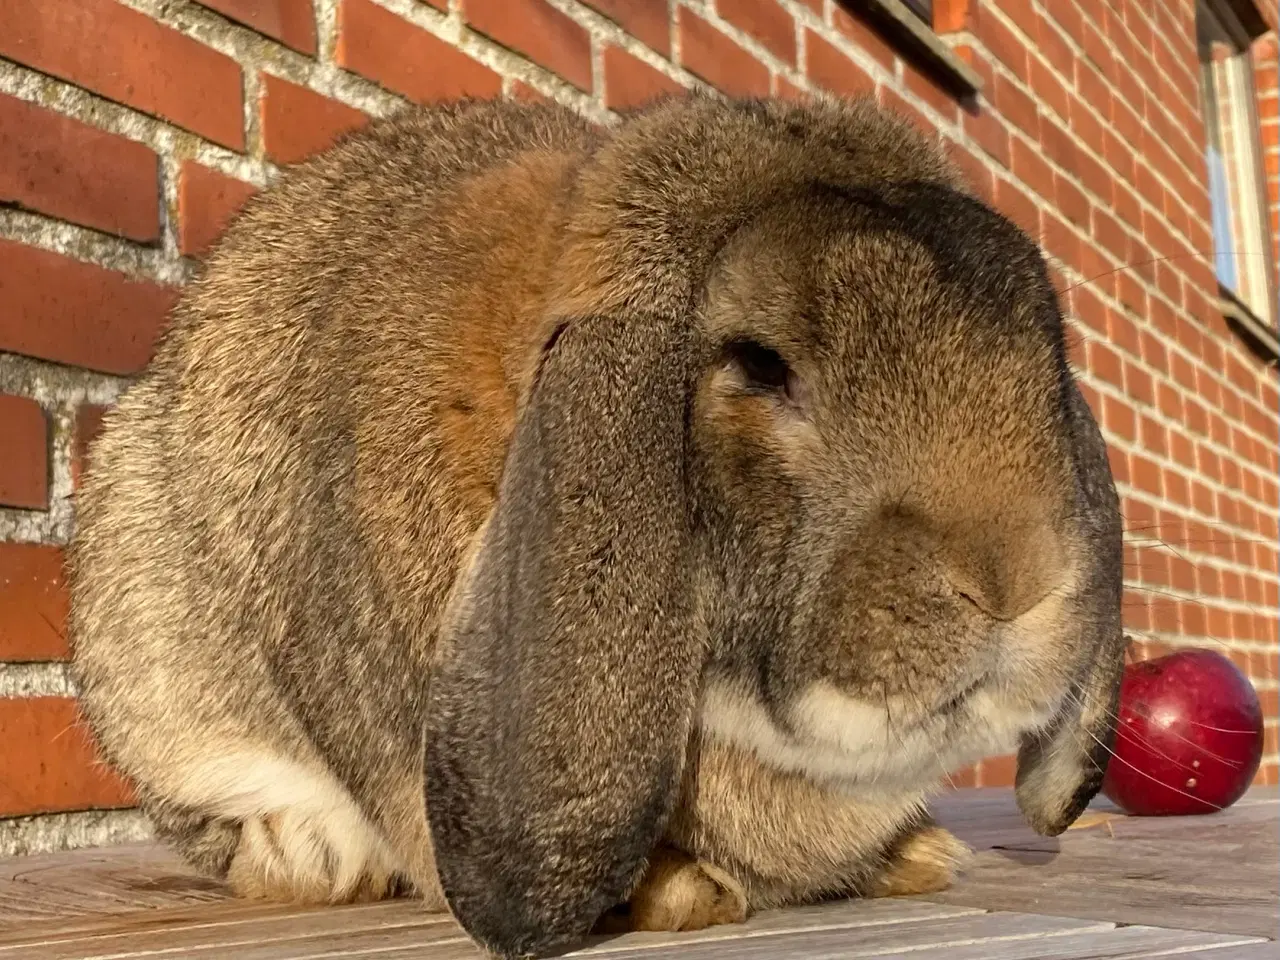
561 703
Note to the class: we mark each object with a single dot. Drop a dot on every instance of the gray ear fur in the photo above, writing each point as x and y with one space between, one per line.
560 707
1061 768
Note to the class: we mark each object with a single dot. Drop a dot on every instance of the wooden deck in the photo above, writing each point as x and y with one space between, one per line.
1111 887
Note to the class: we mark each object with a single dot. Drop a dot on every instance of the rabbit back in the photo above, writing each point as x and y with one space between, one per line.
277 508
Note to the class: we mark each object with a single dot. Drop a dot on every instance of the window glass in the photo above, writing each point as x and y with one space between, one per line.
1241 247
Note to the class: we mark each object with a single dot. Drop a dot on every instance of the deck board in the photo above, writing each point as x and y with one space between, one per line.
1214 873
1112 887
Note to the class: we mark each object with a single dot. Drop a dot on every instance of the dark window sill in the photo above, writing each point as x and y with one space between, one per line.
1258 335
917 40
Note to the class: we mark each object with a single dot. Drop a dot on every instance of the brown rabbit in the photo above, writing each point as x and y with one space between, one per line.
541 518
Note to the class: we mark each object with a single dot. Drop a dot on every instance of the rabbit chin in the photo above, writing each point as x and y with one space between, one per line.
854 744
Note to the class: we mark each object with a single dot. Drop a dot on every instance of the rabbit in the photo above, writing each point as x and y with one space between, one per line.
586 529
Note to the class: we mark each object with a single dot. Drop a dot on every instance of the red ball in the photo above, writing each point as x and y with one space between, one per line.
1189 738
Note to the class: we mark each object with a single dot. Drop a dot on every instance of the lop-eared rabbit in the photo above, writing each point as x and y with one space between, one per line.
602 529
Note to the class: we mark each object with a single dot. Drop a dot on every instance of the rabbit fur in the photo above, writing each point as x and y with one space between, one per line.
540 518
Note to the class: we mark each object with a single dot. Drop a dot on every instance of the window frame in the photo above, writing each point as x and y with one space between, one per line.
1254 286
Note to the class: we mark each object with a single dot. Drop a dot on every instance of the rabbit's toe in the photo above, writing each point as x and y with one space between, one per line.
678 893
285 858
925 862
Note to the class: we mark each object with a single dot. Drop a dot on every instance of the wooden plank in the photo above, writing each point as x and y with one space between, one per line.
1215 872
99 882
1264 950
842 915
1122 942
841 941
40 930
198 932
1118 901
154 931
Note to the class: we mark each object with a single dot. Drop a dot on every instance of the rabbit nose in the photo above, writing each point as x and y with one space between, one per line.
1000 566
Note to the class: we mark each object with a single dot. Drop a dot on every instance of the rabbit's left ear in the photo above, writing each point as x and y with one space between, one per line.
561 704
1060 769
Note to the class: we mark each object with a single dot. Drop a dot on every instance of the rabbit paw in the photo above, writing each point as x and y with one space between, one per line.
925 862
678 892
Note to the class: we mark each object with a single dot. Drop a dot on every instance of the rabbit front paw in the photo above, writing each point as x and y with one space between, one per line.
678 892
925 862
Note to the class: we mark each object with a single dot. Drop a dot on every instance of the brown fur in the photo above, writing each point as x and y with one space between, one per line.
470 463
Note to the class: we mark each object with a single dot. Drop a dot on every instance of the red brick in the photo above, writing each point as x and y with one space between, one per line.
630 82
1146 474
1005 45
151 67
1165 615
1071 201
1016 107
58 166
986 130
1195 619
24 468
1119 155
1085 126
1136 611
375 43
998 771
292 22
1106 364
297 122
1119 419
1139 385
1155 438
1177 488
927 89
1119 463
864 37
33 603
1108 232
1049 89
76 313
649 21
785 89
1202 498
1090 309
1029 166
1096 178
977 173
890 100
50 763
1122 331
1209 580
207 201
1172 529
1154 352
88 426
1060 241
832 70
766 22
1018 207
1153 566
719 61
537 30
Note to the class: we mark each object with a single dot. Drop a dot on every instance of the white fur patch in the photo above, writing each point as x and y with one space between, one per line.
323 837
839 738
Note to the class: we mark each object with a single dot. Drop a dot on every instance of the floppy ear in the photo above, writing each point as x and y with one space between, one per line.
1060 769
560 706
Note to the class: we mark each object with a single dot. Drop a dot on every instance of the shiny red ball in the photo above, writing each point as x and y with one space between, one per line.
1189 737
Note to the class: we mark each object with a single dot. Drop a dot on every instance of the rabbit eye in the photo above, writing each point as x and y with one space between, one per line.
763 368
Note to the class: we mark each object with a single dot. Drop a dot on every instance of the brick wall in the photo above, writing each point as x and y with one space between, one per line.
1267 80
130 130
